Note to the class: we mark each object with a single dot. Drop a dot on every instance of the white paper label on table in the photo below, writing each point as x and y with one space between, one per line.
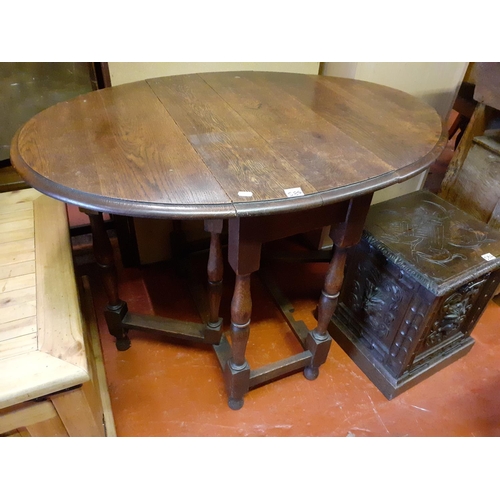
245 194
291 192
488 256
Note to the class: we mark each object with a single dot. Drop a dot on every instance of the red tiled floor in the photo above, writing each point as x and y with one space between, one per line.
160 388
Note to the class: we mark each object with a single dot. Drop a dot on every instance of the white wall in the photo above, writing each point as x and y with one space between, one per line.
125 72
436 83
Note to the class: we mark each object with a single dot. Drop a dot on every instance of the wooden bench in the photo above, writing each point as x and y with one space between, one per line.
52 380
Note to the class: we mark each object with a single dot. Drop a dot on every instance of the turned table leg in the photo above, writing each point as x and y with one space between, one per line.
319 340
344 235
103 252
214 272
237 370
244 258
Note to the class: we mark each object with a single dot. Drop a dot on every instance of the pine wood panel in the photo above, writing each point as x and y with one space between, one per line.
60 329
20 344
25 211
18 328
17 282
41 334
17 234
17 275
6 227
44 343
13 256
82 411
17 269
13 199
20 205
20 247
18 304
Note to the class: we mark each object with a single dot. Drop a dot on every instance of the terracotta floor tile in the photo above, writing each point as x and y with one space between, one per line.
161 388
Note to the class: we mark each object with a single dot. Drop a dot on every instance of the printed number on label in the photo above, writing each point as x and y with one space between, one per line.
488 256
294 192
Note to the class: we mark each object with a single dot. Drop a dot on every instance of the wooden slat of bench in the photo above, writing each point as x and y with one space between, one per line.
25 213
18 311
17 269
7 208
18 346
18 296
17 304
15 225
17 282
20 246
18 234
17 328
13 257
13 198
59 320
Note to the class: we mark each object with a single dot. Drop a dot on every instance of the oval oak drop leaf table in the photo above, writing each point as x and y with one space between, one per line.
275 154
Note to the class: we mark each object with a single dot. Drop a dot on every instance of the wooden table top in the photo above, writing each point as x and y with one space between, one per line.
226 144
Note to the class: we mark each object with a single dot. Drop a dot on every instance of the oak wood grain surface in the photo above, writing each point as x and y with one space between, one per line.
226 144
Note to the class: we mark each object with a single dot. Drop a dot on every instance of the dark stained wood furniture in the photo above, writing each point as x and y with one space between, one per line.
415 287
472 181
275 154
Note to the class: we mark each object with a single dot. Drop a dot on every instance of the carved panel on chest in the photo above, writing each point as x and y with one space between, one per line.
414 288
454 319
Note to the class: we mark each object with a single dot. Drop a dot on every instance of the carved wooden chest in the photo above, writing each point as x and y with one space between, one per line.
414 288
